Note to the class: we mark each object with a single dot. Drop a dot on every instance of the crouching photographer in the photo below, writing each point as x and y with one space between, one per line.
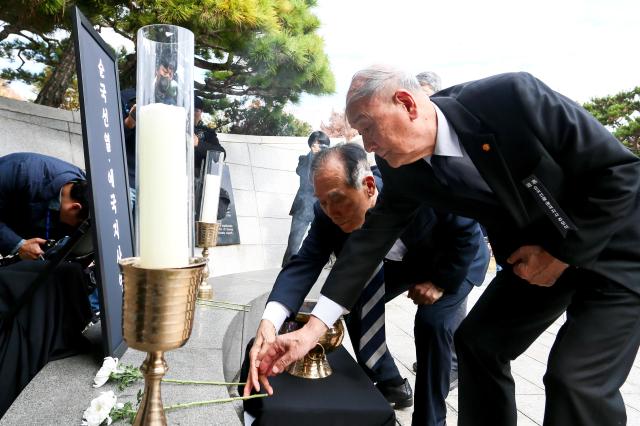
43 309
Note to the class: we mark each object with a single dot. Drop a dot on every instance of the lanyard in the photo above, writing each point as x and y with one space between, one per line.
48 225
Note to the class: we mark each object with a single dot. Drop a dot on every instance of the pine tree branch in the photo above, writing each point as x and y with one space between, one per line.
19 55
31 39
113 26
211 66
7 30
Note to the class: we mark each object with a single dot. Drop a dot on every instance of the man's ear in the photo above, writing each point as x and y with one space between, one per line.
405 98
370 183
75 207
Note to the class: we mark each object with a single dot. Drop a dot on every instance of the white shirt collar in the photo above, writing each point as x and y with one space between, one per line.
447 143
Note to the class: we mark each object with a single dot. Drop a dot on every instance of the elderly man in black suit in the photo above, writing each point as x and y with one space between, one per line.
559 197
437 259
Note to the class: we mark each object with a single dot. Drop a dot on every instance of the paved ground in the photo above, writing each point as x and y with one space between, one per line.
527 370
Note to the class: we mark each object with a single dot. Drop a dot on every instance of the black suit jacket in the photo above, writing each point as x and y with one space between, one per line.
442 248
513 127
302 205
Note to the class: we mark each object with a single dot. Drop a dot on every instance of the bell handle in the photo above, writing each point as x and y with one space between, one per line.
317 356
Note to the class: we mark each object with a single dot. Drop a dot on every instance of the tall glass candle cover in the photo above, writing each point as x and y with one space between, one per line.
211 186
164 146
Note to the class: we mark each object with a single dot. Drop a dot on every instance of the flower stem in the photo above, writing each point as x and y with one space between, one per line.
201 382
220 302
231 307
213 401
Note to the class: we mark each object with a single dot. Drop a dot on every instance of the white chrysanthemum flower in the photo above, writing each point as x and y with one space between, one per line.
99 410
110 365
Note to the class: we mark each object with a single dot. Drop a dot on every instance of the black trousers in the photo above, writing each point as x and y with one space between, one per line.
433 329
47 328
589 361
299 225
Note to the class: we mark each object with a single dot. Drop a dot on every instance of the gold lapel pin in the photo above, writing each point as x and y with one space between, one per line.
486 147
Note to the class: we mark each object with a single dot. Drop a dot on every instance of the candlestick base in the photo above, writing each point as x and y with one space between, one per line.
206 237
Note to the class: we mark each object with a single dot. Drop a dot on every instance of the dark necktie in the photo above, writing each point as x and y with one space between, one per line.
372 345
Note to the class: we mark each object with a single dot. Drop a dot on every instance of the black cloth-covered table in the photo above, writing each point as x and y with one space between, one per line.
48 327
346 398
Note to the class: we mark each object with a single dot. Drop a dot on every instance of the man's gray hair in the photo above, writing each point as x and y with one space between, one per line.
373 80
430 79
352 156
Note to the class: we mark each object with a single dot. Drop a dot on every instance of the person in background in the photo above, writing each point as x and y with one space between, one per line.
128 99
430 82
165 91
302 208
41 198
166 87
206 138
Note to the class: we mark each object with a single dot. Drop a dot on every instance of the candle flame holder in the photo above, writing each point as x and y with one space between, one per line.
206 237
158 313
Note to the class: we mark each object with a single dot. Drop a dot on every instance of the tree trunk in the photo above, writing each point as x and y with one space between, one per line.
52 94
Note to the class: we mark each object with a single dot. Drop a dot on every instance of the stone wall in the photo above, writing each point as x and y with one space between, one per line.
262 175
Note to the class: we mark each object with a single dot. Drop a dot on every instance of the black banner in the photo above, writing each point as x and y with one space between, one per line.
105 160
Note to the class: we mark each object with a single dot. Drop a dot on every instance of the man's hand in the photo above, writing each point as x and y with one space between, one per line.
31 249
290 347
535 265
130 120
425 293
265 338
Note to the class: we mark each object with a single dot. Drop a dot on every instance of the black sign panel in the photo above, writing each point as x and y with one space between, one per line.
228 233
105 160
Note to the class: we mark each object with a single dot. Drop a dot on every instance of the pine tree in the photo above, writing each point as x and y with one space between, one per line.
621 114
267 49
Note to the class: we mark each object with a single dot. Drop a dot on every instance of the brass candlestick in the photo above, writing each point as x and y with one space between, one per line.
158 312
206 237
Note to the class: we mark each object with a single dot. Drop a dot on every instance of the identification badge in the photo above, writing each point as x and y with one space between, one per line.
549 205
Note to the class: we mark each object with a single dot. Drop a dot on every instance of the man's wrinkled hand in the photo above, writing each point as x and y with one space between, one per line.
265 338
425 293
31 249
535 265
291 347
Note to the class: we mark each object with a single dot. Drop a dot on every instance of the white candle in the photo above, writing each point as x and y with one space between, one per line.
209 213
162 186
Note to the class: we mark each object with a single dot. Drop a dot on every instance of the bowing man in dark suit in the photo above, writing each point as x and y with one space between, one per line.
559 197
438 259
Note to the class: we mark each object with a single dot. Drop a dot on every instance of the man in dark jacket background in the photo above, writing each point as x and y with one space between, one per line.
302 208
41 198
